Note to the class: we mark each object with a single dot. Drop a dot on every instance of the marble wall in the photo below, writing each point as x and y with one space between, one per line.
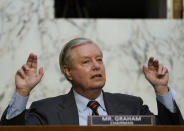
29 26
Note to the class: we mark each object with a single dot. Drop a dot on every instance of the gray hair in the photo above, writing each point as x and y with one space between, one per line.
65 54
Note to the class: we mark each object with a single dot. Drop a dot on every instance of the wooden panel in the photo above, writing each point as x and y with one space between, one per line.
177 8
92 128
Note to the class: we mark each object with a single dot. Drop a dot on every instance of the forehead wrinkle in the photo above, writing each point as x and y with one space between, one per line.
74 53
90 56
77 53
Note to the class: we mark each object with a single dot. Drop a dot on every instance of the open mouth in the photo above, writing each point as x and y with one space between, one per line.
96 76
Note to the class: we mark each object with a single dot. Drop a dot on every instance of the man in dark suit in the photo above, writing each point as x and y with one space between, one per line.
81 61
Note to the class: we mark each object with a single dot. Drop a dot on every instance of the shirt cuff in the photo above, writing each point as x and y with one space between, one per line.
168 100
16 106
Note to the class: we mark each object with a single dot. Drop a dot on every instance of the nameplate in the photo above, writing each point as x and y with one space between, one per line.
119 120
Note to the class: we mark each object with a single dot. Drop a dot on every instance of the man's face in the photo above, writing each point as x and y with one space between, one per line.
87 69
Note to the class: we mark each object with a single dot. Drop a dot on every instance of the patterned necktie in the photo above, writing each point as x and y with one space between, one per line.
93 105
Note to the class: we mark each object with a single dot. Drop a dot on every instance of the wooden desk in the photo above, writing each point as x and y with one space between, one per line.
92 128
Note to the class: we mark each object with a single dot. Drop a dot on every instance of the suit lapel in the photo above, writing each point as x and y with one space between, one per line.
69 110
113 107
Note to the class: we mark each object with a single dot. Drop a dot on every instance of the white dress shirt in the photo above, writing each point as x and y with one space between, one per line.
84 111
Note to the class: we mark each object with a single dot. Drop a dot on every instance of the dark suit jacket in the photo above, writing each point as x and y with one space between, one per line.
62 110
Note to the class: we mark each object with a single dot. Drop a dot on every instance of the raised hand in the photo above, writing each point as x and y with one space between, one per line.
27 77
157 75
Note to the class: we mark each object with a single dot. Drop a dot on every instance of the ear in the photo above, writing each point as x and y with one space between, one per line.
67 72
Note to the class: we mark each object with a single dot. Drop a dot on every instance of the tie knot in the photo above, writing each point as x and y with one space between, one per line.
93 105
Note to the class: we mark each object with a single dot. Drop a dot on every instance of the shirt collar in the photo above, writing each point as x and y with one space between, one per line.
82 101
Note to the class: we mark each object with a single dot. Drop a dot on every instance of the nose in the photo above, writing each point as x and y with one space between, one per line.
96 65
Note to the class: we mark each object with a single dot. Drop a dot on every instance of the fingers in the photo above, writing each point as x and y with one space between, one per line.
162 70
25 68
34 63
150 61
21 73
155 66
40 75
145 69
32 60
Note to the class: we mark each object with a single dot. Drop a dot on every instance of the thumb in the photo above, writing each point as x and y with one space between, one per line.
40 75
145 69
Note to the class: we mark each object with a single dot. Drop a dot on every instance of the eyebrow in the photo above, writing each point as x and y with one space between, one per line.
88 56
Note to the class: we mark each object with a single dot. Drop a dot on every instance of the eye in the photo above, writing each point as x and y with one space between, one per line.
85 62
99 59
